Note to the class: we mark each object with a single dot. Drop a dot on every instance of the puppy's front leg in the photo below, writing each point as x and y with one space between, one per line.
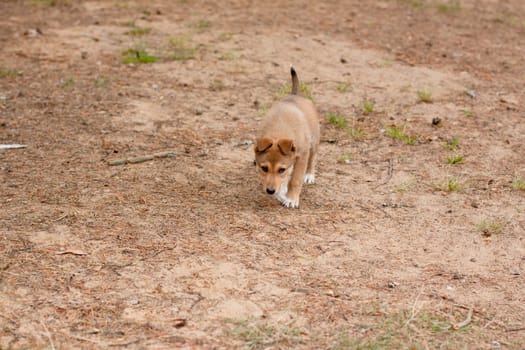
291 200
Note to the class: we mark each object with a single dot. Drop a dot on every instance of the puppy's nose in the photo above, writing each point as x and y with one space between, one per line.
270 191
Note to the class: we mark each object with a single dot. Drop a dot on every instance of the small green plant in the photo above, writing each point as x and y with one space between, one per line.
137 55
452 144
338 121
50 2
344 158
137 31
5 73
452 185
217 85
368 107
518 183
225 36
416 4
229 56
355 132
424 96
343 87
399 134
455 159
101 82
403 186
202 25
67 82
379 343
182 49
490 227
260 335
453 6
468 113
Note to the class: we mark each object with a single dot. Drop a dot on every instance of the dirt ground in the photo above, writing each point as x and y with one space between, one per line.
411 238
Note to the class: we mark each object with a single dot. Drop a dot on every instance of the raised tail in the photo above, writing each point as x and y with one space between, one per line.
295 81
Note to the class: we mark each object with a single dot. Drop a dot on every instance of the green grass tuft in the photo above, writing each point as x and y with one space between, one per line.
455 159
452 6
50 2
490 227
468 113
344 158
182 49
452 185
67 82
202 25
368 107
518 183
230 56
343 87
399 134
101 82
137 31
338 121
453 144
8 73
425 96
257 335
137 55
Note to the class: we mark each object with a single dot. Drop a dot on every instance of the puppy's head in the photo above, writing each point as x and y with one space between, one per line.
274 160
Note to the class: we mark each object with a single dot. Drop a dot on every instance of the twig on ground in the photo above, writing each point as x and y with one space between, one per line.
51 344
141 159
413 312
515 329
12 146
102 344
464 322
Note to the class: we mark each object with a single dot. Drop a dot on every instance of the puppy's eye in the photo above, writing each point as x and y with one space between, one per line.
281 170
264 168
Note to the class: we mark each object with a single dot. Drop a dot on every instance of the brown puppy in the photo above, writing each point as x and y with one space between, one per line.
286 149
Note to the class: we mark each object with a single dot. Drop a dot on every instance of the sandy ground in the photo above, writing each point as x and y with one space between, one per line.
411 238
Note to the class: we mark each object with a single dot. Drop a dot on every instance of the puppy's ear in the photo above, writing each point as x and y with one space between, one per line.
286 147
263 144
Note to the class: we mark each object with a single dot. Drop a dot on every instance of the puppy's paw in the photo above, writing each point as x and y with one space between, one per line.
289 203
309 178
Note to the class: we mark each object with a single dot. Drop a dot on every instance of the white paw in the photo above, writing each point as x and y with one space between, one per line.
309 178
288 203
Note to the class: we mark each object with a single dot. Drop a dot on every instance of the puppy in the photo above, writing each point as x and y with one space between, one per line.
286 148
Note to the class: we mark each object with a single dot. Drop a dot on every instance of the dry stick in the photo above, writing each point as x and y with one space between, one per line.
466 321
515 329
103 344
141 159
48 335
413 313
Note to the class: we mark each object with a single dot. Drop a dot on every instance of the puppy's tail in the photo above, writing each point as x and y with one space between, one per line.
295 81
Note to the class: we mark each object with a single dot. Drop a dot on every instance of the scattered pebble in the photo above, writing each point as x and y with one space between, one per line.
471 93
392 284
436 121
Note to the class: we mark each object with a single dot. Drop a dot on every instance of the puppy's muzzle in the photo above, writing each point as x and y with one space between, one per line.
270 190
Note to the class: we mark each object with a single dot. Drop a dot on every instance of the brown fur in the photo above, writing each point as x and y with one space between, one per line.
286 149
